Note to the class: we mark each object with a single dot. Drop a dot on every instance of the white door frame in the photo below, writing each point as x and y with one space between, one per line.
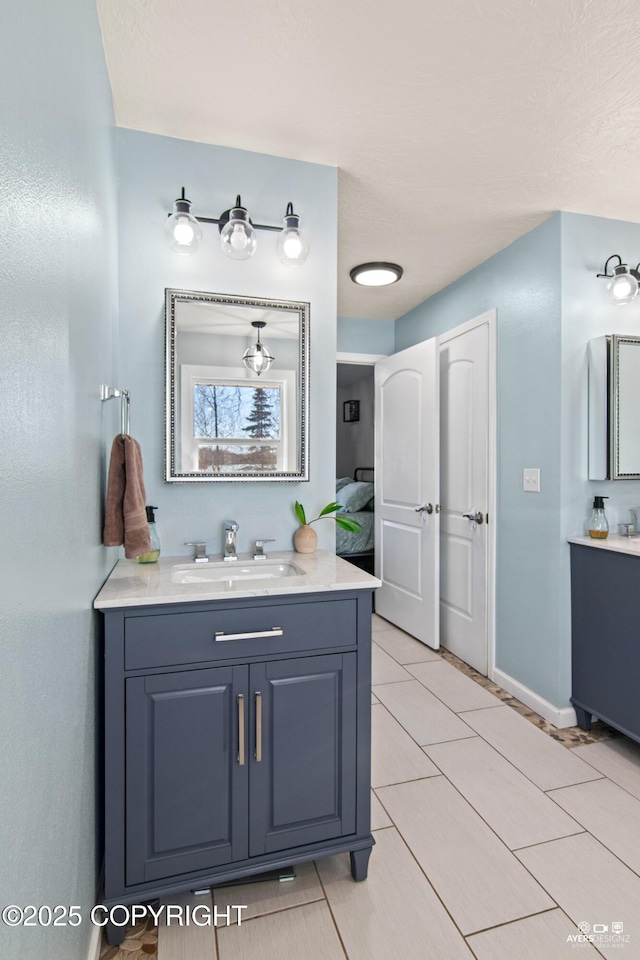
365 359
490 317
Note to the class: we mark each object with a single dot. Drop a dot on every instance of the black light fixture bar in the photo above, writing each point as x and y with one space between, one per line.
224 217
634 271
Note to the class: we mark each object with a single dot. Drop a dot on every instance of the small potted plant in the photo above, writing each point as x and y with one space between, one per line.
305 539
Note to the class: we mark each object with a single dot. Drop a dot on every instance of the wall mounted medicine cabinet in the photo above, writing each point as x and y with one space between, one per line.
224 419
614 408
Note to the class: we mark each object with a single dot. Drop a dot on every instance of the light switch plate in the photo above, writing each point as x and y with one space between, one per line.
531 479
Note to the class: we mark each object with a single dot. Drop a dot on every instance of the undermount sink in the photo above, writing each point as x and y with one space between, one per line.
234 571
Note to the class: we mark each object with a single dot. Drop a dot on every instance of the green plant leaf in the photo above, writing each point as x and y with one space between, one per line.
330 508
300 514
348 523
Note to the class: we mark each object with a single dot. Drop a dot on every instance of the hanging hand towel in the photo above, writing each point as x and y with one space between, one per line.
125 520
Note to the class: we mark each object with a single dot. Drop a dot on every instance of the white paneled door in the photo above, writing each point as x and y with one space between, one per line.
407 490
464 477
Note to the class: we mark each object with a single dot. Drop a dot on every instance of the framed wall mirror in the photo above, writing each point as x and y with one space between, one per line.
614 408
236 388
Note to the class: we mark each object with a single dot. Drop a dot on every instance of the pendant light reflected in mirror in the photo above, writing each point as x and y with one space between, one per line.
257 358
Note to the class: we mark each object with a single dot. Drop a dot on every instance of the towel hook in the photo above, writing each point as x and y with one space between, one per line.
108 393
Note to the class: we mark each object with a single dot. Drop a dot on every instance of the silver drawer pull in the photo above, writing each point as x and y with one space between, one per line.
241 729
274 632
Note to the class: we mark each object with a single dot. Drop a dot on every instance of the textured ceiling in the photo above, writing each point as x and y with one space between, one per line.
457 126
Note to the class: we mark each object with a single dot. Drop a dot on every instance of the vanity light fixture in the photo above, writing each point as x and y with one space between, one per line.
624 283
376 274
238 236
257 357
182 230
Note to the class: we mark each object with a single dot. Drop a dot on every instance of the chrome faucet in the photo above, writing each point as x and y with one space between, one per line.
230 531
200 551
259 553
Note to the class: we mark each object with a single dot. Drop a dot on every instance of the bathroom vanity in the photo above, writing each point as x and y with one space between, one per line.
237 722
605 631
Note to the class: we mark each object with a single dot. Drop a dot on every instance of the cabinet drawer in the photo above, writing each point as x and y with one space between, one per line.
177 638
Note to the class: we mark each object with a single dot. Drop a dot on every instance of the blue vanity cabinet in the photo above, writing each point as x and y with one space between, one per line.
237 740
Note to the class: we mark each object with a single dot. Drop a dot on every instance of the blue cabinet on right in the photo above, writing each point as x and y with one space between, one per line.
605 635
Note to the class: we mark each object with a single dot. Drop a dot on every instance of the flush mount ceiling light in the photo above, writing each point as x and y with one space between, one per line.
257 357
238 236
377 274
624 283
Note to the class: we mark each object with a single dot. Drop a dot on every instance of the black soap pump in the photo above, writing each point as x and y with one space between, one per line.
598 525
154 553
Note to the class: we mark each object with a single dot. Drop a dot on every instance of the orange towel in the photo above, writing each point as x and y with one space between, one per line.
125 520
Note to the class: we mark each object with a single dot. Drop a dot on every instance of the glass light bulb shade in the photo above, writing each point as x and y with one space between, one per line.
183 233
292 246
257 358
624 287
238 238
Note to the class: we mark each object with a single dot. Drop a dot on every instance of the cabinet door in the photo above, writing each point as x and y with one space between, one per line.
186 790
302 778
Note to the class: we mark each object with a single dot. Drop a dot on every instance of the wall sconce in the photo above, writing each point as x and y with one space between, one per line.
351 411
624 284
257 357
238 236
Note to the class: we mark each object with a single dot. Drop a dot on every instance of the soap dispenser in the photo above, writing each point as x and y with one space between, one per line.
154 553
598 524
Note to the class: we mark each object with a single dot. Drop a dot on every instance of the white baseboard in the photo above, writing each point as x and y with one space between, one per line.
558 716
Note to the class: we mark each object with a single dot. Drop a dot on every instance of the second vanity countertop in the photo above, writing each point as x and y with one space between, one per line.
615 542
132 584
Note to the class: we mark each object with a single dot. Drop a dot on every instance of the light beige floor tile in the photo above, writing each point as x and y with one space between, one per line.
267 896
404 648
421 714
518 811
458 691
479 880
379 818
395 757
590 884
617 759
304 932
609 813
384 668
379 623
188 942
537 755
394 914
543 937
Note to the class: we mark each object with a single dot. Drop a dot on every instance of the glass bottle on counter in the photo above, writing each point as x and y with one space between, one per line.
598 524
154 553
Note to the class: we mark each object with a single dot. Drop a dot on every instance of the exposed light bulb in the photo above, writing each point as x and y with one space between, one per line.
292 246
237 236
182 230
624 286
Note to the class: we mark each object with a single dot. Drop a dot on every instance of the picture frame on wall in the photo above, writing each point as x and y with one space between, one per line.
351 411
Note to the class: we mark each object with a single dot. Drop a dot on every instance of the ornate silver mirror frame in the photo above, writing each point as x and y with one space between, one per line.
224 421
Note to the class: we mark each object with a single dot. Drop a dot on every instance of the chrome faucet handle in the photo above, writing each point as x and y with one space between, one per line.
231 525
201 550
259 553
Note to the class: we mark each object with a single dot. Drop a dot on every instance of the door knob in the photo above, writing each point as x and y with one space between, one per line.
475 517
424 508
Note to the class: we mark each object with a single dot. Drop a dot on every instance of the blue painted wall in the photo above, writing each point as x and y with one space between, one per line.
57 314
151 170
524 283
366 336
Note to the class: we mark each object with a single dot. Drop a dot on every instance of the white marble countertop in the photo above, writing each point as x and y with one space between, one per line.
132 584
614 541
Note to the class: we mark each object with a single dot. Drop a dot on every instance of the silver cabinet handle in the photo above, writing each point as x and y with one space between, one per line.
476 517
241 729
425 508
274 632
258 726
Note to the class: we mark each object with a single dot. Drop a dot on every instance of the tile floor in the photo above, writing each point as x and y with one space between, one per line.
496 835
